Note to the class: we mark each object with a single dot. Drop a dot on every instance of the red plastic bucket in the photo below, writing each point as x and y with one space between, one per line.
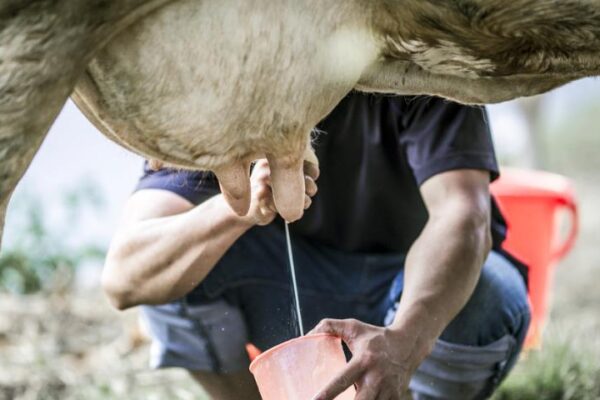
531 202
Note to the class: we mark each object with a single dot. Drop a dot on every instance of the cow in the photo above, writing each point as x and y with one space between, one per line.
216 84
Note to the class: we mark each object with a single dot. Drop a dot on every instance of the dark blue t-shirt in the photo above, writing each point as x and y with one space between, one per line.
374 153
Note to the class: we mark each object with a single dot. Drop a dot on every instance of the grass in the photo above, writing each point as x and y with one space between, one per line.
567 368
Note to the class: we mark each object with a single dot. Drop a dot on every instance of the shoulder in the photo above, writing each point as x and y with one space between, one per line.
443 110
194 186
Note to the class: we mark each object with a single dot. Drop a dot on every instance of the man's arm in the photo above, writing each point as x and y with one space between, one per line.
165 246
441 271
443 265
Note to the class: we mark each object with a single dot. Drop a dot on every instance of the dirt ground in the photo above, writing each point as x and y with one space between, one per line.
76 347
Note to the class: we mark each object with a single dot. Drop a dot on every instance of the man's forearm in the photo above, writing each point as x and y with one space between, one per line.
441 271
158 260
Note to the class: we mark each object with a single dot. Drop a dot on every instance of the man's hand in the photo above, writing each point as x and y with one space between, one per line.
383 360
441 271
262 206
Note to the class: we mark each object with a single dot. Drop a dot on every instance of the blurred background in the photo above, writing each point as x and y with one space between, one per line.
59 338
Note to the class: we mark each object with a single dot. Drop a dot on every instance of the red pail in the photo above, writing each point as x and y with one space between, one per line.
531 202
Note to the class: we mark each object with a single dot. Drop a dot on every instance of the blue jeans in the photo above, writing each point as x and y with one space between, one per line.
247 298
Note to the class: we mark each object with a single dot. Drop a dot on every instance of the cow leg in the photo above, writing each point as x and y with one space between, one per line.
44 48
16 152
28 106
40 60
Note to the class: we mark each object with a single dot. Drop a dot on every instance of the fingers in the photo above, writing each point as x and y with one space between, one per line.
341 382
261 164
342 328
155 164
372 387
287 182
311 169
234 181
369 392
310 186
265 196
261 183
261 173
285 179
307 202
309 154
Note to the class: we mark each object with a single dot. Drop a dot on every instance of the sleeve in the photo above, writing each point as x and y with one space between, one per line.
441 136
194 186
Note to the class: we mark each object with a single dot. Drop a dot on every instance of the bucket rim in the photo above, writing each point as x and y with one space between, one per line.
538 184
287 343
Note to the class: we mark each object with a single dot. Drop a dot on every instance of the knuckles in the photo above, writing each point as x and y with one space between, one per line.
367 360
323 326
311 186
312 170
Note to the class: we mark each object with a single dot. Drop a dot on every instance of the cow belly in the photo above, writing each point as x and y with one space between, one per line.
201 84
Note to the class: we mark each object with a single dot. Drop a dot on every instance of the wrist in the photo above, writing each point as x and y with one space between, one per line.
223 215
243 222
419 322
416 337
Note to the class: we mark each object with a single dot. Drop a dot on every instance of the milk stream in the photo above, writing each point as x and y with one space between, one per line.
293 273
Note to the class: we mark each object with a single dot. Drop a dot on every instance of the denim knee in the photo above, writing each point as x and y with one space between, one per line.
481 345
498 307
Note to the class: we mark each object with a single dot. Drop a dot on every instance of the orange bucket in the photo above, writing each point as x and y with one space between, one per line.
299 368
531 202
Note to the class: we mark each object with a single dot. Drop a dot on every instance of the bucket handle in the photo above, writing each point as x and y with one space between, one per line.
562 249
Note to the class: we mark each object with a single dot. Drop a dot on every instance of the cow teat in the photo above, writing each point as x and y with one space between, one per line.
234 181
287 183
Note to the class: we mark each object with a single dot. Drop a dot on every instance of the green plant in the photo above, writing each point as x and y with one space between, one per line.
566 368
40 258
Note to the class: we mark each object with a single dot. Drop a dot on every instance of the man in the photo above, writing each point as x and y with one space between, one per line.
393 256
